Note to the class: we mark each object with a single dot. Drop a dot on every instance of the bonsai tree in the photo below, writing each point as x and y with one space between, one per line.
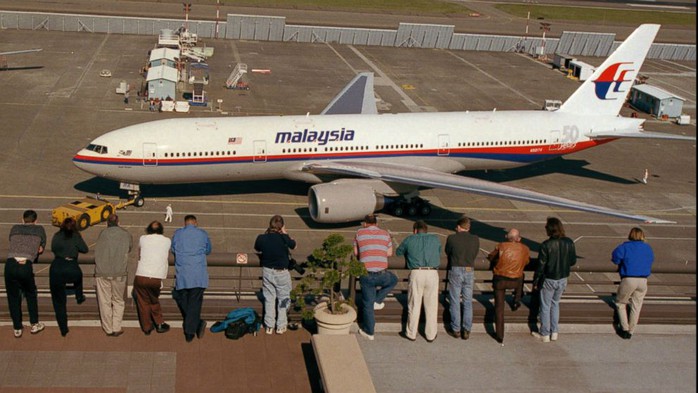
325 269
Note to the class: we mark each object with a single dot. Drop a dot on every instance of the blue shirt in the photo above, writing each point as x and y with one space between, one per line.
190 245
421 250
634 257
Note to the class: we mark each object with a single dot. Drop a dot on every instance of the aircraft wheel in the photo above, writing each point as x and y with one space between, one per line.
106 212
398 211
83 222
412 210
139 202
425 210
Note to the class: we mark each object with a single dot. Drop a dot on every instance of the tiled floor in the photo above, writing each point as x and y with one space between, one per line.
89 361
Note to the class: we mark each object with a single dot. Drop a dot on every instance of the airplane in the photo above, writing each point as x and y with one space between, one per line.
3 59
359 160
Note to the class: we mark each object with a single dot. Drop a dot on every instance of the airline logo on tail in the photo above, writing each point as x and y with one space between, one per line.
610 80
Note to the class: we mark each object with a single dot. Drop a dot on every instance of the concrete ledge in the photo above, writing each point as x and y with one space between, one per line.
342 365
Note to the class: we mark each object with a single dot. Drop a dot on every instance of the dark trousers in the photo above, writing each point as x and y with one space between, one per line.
148 301
189 301
64 272
20 278
500 285
374 288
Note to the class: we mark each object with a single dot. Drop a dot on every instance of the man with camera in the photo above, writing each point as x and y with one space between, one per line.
373 246
273 247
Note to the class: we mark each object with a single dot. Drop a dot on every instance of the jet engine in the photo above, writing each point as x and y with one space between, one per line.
342 202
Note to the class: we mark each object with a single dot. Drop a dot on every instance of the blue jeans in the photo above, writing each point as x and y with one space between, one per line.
550 296
370 294
276 285
460 283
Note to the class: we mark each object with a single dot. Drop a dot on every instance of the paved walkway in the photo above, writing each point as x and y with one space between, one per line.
587 358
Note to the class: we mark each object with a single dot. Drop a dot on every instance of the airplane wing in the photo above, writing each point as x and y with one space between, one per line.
430 178
19 52
640 134
356 98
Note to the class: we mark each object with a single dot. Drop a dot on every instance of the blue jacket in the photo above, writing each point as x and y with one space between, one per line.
634 258
190 245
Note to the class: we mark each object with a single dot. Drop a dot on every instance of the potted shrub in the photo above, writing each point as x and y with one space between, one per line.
325 269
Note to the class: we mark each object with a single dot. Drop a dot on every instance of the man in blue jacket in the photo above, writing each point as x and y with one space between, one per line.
190 245
634 259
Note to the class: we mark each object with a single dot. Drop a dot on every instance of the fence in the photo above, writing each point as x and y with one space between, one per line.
272 28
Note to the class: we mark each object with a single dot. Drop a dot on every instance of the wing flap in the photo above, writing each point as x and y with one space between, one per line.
430 178
640 135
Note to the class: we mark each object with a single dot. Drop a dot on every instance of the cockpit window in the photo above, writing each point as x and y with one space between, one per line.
99 149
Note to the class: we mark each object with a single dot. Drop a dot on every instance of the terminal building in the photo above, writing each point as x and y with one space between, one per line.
656 101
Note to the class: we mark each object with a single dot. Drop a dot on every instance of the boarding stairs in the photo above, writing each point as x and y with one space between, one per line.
239 70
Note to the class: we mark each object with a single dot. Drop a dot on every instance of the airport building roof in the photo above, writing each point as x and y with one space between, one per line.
164 53
656 92
162 72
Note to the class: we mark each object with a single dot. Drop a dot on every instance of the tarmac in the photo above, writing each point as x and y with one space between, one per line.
586 358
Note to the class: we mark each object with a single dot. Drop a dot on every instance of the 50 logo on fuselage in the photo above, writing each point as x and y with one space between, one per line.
313 136
609 82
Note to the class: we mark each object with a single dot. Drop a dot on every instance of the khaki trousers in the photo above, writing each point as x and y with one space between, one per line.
423 287
631 292
110 297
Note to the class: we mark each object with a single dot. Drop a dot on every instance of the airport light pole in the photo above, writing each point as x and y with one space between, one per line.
545 27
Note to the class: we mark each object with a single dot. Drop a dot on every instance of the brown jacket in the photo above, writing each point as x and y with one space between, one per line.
510 259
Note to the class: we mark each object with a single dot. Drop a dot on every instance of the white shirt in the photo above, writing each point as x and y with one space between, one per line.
154 250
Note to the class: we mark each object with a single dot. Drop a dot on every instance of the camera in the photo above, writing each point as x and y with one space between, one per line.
298 267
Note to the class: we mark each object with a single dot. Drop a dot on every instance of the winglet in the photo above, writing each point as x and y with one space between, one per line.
356 98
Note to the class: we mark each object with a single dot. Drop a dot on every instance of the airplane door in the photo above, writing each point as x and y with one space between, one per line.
260 151
150 154
444 146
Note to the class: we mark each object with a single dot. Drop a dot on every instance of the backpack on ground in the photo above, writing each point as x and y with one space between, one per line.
238 323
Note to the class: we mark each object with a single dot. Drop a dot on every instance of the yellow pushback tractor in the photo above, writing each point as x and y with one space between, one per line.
86 211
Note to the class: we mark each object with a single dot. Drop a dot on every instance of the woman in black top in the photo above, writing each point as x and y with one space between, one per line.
66 245
273 247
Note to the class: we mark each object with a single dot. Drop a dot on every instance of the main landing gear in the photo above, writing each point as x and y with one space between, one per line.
412 207
134 194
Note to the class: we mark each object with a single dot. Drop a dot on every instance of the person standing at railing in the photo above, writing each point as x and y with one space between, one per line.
634 259
273 247
27 241
422 249
154 248
190 245
373 246
66 244
461 248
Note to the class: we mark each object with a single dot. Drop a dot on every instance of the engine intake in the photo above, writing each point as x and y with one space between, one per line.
333 203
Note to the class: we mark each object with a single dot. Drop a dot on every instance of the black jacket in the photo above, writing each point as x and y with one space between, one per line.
555 258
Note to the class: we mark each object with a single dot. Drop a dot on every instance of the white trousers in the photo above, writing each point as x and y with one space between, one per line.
110 297
423 288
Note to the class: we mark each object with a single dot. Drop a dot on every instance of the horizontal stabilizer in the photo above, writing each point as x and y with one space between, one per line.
355 99
430 178
640 134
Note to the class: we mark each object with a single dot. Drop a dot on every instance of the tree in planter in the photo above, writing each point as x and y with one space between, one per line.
325 269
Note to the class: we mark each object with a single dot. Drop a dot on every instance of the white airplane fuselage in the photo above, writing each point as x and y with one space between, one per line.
273 147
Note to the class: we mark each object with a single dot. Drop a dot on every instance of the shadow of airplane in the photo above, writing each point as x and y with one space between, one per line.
555 165
110 187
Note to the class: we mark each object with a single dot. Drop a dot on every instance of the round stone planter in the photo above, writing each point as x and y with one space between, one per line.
334 323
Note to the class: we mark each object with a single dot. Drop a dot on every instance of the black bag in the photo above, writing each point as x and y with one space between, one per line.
236 329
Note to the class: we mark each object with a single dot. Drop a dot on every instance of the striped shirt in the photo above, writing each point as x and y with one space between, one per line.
373 244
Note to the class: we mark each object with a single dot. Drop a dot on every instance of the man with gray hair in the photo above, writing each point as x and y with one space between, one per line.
509 259
111 259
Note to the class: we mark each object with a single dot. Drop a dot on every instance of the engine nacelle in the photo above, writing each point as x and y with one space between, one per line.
336 202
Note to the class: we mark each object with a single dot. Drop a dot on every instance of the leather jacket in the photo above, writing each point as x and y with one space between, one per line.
555 258
510 259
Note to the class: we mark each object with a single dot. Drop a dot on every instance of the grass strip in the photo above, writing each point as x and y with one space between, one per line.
603 16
